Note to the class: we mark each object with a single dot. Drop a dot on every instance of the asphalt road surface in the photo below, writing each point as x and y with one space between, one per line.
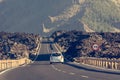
42 70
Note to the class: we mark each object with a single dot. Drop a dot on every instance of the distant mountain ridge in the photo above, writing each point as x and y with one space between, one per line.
97 15
85 15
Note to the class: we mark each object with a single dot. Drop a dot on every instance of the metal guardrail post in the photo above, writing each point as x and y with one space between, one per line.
103 62
5 64
0 66
118 66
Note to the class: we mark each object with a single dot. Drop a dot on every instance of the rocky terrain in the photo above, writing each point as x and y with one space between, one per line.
89 16
16 45
80 44
85 15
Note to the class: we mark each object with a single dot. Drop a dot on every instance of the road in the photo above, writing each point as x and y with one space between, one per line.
42 70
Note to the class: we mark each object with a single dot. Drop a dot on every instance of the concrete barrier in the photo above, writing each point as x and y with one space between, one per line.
6 64
100 62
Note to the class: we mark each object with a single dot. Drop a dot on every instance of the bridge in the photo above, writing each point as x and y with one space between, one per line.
41 69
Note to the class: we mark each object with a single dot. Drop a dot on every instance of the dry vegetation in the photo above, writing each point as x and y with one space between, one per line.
79 44
16 45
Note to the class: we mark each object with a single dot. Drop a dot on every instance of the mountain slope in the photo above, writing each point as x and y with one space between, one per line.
98 15
117 2
86 15
101 15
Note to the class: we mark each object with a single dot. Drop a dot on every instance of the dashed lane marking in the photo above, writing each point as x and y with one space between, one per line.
72 73
84 76
74 63
59 70
64 71
54 67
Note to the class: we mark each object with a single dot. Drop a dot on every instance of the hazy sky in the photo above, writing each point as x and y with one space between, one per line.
28 15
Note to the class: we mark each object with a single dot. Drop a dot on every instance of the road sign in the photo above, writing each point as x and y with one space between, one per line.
95 47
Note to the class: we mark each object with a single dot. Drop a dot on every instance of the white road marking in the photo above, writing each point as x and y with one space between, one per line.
23 65
59 70
48 49
72 73
54 67
84 76
37 54
7 70
64 71
56 47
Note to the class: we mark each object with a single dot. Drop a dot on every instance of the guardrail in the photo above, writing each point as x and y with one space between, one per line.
37 49
100 62
6 64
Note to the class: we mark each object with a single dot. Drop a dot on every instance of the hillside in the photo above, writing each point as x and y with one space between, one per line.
80 44
117 2
101 15
17 45
86 15
97 15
